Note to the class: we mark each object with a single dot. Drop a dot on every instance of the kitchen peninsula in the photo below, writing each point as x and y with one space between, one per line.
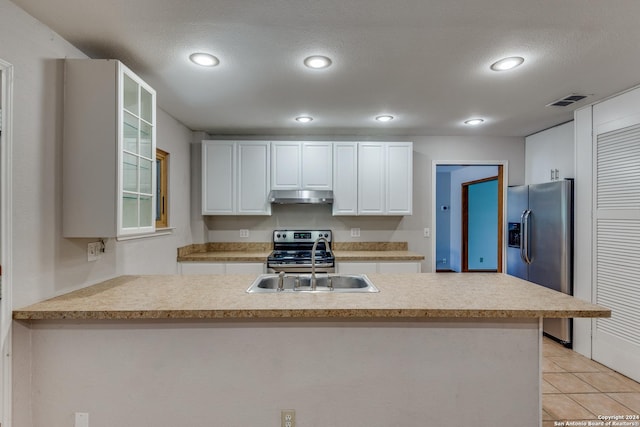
428 349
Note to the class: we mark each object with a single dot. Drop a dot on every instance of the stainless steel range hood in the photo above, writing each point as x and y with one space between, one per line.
318 197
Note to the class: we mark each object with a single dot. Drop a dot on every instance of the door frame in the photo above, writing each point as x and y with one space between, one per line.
503 165
465 222
6 305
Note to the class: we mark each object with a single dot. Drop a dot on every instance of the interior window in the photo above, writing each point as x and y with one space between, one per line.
162 188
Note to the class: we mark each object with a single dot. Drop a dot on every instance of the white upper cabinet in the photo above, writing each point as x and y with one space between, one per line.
301 165
108 151
253 178
399 178
286 162
345 178
317 165
371 178
235 178
385 178
218 177
367 178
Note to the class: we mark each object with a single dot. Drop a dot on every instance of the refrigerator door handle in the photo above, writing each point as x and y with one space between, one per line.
524 238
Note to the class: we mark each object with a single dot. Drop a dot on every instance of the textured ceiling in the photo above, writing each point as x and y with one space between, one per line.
424 61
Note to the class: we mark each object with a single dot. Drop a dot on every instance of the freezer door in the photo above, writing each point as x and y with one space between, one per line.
517 203
551 235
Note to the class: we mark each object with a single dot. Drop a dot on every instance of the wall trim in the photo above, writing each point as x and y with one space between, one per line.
6 245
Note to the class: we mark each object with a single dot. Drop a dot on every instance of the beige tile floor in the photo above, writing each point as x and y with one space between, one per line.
575 388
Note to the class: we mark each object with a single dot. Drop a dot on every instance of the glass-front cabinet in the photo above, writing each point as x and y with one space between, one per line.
138 156
108 151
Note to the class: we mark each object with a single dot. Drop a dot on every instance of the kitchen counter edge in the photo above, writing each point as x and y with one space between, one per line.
223 297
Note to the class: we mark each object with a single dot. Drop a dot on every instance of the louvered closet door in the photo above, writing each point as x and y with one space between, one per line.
616 261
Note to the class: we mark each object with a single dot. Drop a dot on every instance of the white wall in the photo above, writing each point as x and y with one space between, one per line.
426 149
45 264
553 148
157 255
477 372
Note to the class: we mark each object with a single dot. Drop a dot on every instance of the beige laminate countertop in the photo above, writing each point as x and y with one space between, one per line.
427 295
258 256
226 256
258 252
346 255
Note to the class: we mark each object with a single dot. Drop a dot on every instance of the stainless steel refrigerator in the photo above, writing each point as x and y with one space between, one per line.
540 242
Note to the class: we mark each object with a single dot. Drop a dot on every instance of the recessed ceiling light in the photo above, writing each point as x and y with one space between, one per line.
507 63
204 59
384 118
473 122
317 61
304 119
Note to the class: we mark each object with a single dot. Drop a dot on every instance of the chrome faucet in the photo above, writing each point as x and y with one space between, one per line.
313 259
281 281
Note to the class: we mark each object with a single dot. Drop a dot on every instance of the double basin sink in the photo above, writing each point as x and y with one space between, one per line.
271 283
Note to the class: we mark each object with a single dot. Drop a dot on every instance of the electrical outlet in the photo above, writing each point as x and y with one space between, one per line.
427 232
82 419
288 418
94 251
355 232
244 233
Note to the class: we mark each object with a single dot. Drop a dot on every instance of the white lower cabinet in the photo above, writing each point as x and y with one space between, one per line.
187 268
356 267
363 267
399 267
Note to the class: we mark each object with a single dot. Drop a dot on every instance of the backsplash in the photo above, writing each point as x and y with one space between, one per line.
289 217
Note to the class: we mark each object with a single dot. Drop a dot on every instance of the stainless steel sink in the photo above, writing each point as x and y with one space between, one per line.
268 283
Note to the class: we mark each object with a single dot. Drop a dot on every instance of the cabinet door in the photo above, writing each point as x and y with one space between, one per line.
253 178
345 178
371 178
399 187
317 165
218 186
187 268
244 268
399 267
137 150
286 161
356 267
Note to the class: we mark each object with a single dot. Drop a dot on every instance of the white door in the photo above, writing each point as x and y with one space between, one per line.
399 189
286 165
616 233
317 162
371 178
218 183
345 178
253 178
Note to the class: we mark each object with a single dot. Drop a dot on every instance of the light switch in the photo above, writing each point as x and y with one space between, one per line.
427 232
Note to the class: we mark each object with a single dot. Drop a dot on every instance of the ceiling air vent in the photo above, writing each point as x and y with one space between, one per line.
567 100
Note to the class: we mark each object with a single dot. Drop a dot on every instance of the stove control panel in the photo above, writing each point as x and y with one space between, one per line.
300 236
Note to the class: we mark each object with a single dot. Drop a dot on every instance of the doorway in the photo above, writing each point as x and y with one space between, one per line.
448 247
6 97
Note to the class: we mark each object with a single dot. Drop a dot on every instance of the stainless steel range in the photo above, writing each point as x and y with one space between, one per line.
292 251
